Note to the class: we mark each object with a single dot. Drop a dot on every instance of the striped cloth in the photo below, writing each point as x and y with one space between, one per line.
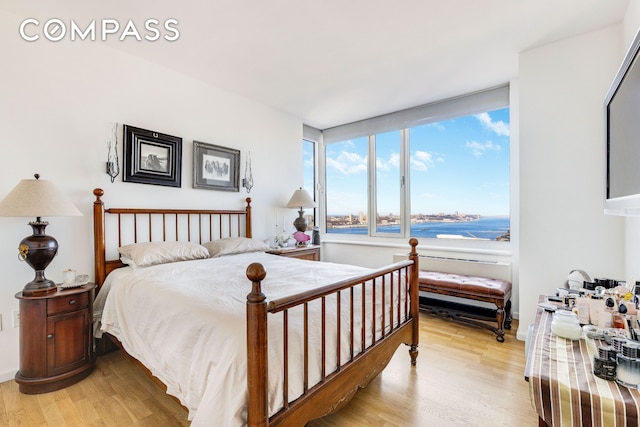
563 389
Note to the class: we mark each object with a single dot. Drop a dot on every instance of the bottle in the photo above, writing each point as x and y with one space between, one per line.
315 237
583 305
604 363
628 366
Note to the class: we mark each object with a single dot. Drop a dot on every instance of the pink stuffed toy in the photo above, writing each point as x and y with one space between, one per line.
301 237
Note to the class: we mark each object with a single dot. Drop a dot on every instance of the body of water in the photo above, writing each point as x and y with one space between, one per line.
483 228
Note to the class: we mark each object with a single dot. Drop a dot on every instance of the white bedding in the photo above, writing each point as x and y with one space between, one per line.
185 321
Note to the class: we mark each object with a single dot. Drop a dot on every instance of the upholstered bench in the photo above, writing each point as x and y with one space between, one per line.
494 291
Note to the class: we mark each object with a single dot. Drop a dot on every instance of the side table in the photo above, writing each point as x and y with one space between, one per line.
56 344
310 252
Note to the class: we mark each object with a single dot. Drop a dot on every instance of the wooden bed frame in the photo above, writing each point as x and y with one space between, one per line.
335 389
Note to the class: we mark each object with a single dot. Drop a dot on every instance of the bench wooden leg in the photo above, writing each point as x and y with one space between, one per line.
503 317
500 319
509 315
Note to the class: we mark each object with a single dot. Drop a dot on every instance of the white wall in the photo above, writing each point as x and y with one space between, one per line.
56 102
562 225
630 25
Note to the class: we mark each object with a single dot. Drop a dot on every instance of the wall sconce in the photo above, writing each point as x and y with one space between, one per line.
113 166
247 181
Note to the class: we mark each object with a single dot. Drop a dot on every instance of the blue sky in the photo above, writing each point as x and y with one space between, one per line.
458 165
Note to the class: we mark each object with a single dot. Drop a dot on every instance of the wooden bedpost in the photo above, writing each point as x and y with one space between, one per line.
257 363
415 296
98 237
248 219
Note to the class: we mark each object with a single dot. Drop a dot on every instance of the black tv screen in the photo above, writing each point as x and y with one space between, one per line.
622 114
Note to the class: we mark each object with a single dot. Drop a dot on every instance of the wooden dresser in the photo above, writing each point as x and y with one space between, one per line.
56 345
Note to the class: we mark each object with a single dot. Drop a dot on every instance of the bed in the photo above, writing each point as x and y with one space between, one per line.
229 353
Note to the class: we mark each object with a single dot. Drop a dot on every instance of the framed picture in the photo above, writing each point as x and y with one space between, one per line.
215 167
151 157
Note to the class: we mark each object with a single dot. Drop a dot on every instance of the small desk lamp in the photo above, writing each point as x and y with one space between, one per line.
37 198
301 199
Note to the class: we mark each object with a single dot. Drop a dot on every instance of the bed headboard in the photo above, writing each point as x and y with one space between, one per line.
116 227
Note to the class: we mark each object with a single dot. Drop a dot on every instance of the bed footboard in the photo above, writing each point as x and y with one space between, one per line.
382 309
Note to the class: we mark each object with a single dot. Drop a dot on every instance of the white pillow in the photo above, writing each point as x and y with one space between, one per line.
152 253
234 245
127 261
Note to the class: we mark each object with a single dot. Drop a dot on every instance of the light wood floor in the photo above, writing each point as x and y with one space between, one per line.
464 377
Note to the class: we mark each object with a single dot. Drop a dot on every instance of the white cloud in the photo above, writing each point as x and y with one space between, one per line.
499 127
438 125
391 163
421 160
479 148
347 163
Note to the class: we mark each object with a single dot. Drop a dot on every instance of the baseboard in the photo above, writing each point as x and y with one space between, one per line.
521 334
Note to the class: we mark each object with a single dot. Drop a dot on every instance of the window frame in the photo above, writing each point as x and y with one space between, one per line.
404 204
478 102
314 136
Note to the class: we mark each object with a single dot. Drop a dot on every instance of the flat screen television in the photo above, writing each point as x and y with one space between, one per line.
622 120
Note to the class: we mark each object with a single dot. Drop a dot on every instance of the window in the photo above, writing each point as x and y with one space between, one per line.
346 186
443 172
309 174
387 178
460 177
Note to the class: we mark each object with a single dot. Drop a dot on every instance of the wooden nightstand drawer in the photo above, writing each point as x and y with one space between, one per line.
67 303
311 252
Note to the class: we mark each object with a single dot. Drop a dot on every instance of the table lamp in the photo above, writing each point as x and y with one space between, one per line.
37 198
300 200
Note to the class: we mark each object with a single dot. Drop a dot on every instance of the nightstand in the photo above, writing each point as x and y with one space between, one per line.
56 339
311 252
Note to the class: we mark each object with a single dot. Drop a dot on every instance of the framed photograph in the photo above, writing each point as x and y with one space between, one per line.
215 167
152 157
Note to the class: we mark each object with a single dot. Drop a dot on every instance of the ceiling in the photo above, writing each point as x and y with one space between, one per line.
332 62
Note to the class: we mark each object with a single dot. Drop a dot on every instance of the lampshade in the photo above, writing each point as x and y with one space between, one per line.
37 198
301 199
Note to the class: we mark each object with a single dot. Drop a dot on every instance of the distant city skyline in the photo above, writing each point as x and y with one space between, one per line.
457 165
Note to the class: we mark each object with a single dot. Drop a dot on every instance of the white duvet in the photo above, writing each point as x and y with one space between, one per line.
185 321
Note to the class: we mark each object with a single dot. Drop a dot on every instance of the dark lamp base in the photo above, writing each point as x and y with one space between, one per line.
38 250
300 223
36 287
